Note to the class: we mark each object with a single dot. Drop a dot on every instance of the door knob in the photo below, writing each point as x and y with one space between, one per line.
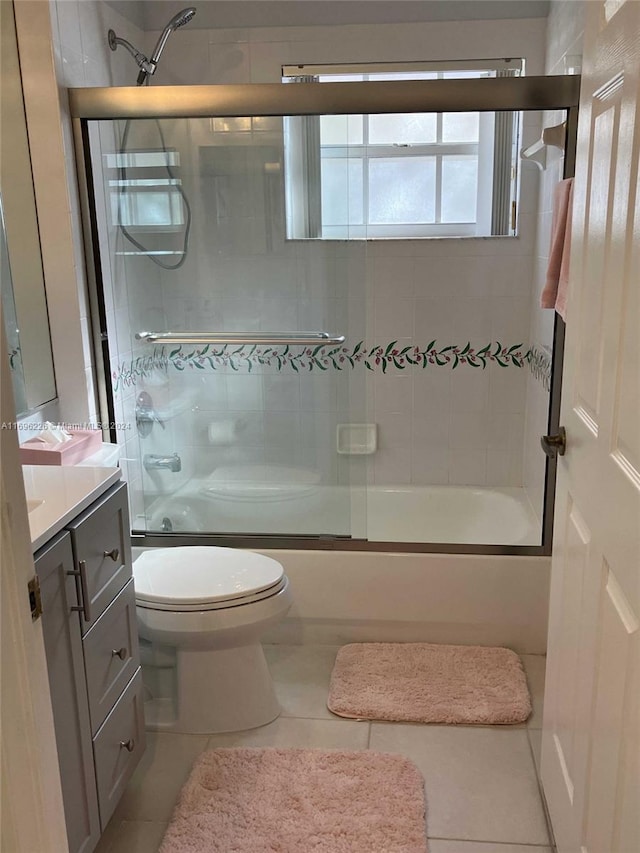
555 445
114 554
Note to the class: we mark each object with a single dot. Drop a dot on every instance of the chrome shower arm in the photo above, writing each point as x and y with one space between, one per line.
139 57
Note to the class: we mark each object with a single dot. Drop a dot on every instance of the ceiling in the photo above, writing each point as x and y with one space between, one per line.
154 14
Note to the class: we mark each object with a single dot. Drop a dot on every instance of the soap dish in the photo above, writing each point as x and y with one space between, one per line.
356 439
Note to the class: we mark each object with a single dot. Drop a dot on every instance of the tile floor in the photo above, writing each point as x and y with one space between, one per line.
481 782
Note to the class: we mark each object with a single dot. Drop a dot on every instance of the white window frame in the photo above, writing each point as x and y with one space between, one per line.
484 149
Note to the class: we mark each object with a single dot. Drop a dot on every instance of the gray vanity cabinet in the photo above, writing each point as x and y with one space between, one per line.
93 661
101 545
111 655
65 664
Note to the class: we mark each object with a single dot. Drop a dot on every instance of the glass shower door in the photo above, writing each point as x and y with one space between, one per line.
230 343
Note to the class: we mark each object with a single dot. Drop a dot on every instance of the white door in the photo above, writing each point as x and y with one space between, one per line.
32 814
591 747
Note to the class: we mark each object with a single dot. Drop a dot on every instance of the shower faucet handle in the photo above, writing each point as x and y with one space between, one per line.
154 418
146 415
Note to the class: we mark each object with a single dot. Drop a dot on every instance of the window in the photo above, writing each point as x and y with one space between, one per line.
401 175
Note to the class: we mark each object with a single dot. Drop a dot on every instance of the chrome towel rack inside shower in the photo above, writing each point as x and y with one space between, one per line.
242 338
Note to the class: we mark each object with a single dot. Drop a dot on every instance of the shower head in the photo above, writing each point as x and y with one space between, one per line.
179 20
148 66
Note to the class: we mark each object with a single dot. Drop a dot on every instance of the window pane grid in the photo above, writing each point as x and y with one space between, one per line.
420 174
358 210
405 206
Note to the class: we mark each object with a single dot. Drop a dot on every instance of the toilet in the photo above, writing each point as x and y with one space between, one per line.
201 613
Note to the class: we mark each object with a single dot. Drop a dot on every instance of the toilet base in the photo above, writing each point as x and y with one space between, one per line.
226 690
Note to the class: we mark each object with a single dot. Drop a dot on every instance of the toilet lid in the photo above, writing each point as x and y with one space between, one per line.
261 482
198 576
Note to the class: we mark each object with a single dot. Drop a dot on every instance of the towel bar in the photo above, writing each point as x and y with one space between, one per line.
241 338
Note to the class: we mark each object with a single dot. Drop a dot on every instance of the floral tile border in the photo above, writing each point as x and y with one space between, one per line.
325 357
539 359
129 373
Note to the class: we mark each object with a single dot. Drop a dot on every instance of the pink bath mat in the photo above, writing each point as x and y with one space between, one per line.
299 801
426 683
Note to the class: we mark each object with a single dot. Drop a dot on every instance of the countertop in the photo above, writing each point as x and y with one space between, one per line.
56 494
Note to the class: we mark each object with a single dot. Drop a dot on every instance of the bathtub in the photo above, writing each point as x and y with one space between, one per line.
363 596
454 514
430 514
383 596
471 599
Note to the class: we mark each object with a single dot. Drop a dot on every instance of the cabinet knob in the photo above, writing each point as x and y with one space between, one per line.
114 554
129 745
119 653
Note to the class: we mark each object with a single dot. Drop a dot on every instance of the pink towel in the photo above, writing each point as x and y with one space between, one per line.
554 294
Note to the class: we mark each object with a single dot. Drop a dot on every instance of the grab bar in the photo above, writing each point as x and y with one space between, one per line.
241 338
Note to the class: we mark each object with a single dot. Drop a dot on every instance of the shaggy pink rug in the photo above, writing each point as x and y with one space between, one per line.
426 683
299 801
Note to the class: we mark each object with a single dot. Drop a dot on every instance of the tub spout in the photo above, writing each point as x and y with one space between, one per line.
152 462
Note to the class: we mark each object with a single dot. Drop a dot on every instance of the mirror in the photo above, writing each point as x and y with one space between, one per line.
11 323
24 302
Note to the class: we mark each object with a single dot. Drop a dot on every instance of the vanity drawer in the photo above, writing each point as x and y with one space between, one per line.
111 655
118 747
102 552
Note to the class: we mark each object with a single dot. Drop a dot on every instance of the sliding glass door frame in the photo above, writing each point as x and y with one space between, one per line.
483 95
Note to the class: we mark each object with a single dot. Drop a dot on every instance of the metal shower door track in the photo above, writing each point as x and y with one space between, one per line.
278 99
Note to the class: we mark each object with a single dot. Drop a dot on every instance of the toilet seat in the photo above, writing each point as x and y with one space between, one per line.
176 607
204 578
